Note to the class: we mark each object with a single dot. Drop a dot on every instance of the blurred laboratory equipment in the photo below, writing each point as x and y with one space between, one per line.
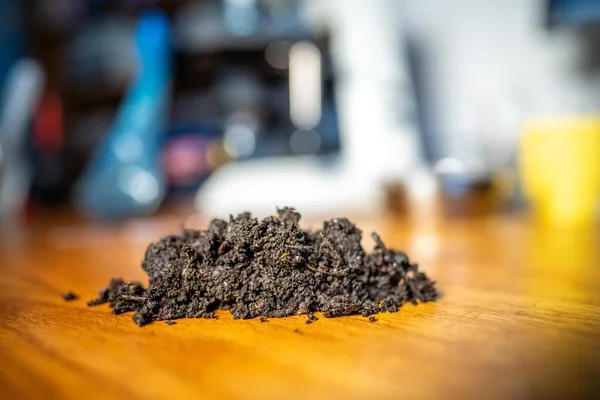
471 94
451 190
123 178
229 97
463 191
481 70
321 105
560 165
234 60
20 97
378 137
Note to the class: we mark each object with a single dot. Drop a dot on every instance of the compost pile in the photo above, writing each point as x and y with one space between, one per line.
268 268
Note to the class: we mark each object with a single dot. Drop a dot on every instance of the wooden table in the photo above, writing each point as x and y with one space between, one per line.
519 318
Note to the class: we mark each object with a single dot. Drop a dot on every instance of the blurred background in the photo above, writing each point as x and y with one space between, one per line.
116 109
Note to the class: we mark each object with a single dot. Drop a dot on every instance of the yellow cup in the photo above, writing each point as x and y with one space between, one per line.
560 167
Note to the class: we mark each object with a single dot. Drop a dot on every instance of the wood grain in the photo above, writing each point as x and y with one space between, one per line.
519 318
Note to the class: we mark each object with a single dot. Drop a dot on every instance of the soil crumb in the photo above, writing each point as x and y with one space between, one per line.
70 295
268 268
311 318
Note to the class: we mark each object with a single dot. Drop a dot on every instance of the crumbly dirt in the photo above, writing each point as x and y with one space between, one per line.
69 296
268 268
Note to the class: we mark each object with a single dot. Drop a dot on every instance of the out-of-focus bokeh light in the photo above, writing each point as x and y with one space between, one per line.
305 85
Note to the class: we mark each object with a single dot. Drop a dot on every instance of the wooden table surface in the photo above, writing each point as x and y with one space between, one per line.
519 318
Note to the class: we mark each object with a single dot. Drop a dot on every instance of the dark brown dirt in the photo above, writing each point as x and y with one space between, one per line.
268 268
69 296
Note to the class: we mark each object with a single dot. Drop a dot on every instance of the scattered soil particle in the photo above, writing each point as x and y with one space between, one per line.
372 319
170 322
311 318
70 296
264 319
268 268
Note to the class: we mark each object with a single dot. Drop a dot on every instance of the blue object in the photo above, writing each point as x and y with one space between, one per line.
573 12
12 36
123 177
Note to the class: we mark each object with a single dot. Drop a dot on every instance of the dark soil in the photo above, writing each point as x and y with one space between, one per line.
69 296
268 268
311 318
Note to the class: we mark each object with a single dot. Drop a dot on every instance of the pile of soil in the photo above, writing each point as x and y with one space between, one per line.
268 268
